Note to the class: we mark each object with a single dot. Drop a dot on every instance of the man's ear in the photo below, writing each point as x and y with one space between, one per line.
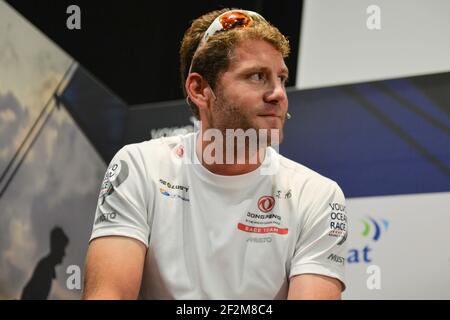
197 90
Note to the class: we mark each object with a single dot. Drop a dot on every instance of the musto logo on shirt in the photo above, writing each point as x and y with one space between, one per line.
266 222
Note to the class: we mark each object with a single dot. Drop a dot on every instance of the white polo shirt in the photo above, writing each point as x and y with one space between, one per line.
221 237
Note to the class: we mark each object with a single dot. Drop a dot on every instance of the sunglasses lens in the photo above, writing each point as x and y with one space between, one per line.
234 20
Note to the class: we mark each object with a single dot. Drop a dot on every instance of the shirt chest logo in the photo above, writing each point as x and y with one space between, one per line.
266 203
174 191
265 221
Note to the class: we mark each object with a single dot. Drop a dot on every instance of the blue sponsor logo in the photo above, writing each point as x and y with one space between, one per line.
176 196
373 229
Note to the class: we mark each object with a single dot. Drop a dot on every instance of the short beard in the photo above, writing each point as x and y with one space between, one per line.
232 118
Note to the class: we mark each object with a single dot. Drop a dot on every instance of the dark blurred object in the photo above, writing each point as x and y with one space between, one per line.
132 47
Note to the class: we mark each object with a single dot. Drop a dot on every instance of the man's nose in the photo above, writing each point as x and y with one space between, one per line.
276 92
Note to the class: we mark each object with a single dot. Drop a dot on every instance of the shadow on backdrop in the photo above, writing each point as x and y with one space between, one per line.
39 286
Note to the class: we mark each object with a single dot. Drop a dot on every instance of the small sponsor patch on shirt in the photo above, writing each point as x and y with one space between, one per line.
251 229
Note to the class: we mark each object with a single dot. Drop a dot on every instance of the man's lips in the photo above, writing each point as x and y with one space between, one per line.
270 115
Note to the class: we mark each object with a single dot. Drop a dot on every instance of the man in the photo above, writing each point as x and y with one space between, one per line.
192 217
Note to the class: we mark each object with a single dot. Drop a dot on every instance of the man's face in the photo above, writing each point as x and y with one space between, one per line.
251 92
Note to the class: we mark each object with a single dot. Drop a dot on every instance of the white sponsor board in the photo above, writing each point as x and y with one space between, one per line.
409 256
338 46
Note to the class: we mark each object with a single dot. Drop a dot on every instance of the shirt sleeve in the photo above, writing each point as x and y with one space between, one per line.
321 246
123 199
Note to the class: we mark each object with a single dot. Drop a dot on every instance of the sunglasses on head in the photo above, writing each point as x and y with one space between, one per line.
233 19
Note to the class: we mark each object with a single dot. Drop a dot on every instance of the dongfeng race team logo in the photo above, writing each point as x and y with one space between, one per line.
266 203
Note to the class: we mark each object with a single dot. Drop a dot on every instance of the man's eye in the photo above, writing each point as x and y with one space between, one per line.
257 76
283 79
